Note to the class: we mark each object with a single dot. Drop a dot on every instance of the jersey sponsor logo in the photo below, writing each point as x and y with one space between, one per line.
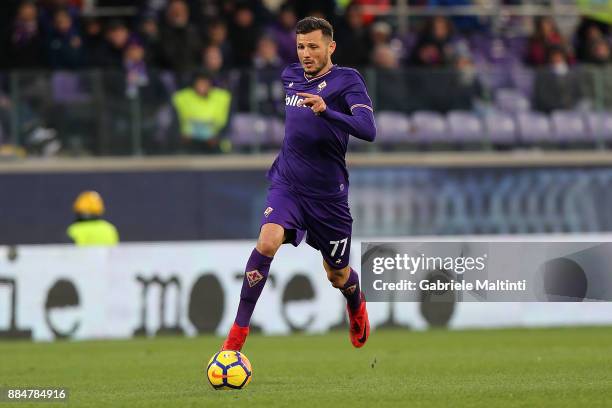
254 277
321 86
294 100
268 211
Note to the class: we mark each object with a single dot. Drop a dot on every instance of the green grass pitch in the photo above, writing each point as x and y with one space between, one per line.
498 368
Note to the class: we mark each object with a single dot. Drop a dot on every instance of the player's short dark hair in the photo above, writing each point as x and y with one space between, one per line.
310 24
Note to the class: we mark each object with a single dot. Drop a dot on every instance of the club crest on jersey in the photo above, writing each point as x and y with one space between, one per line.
268 211
321 86
253 277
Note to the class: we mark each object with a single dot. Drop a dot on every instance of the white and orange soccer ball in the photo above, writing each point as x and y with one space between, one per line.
229 369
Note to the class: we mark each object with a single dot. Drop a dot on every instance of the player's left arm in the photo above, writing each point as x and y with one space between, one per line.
360 123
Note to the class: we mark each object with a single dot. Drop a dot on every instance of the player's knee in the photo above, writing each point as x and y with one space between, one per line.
268 246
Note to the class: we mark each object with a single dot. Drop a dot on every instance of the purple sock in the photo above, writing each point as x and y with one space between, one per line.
255 276
351 291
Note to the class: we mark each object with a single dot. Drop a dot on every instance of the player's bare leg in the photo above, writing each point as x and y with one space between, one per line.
270 239
347 280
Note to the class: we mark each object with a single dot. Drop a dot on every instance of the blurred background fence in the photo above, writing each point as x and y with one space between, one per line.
95 112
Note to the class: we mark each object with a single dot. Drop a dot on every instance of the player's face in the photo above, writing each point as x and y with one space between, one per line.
314 51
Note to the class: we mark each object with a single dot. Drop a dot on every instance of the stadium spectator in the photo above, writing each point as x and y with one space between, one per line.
268 89
244 35
217 37
282 32
353 39
390 81
65 46
380 33
48 9
135 68
135 81
92 35
149 33
180 42
26 44
596 78
203 111
545 36
598 52
466 88
110 51
556 86
89 229
588 31
266 56
385 57
212 60
434 44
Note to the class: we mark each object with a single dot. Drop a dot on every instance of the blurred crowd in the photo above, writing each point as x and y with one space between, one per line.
187 53
184 35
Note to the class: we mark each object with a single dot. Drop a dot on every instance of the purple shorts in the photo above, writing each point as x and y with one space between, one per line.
328 223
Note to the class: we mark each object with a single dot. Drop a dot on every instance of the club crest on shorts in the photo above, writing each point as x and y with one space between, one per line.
253 277
268 211
321 86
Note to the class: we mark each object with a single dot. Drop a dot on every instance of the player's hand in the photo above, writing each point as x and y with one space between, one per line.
314 102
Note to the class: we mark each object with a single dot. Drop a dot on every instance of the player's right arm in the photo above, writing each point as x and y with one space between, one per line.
360 122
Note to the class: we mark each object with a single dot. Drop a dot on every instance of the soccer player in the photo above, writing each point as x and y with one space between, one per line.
308 190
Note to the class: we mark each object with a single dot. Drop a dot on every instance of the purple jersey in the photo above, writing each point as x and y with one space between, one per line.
312 159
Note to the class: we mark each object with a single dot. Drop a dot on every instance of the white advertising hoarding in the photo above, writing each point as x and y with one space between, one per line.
59 291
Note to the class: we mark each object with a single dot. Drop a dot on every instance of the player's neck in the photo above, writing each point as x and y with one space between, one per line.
323 71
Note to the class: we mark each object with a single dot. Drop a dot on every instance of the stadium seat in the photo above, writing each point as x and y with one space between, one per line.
247 130
511 100
393 127
569 126
430 127
465 127
534 128
599 125
500 128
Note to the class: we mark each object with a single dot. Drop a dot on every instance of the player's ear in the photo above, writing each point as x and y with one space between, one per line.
332 47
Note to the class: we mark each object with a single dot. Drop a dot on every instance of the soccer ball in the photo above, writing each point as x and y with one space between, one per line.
229 369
